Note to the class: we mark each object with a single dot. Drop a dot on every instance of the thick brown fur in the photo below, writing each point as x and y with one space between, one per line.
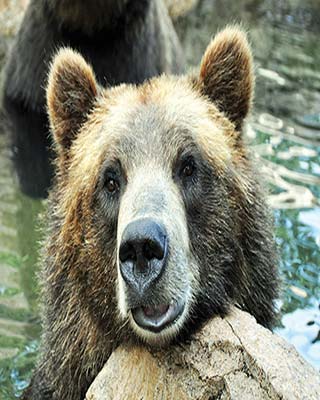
229 80
221 221
71 105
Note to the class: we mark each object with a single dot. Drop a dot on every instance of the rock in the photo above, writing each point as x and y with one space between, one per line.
179 8
231 358
11 13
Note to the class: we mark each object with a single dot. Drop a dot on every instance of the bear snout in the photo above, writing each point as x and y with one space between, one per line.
143 254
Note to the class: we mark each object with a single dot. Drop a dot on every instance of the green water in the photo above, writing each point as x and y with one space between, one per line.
19 325
285 39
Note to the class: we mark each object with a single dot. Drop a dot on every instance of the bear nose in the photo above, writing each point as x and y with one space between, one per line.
142 254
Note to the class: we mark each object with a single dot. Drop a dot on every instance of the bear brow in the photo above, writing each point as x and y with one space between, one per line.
184 151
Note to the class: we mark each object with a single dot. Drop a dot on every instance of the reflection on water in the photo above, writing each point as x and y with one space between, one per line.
282 132
301 328
312 218
19 325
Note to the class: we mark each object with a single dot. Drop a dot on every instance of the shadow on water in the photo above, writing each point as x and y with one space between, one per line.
284 132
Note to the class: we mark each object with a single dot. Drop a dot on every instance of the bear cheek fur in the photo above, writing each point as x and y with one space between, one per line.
230 230
80 273
86 247
223 219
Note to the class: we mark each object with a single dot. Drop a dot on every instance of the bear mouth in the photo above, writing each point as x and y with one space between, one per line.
157 318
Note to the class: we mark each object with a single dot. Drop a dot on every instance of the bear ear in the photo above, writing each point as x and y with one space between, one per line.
226 74
71 92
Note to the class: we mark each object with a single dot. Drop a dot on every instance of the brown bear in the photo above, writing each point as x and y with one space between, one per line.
124 40
157 219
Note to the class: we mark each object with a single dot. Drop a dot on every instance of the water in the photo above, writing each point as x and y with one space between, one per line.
284 36
19 324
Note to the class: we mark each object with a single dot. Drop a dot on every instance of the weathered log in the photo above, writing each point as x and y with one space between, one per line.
230 358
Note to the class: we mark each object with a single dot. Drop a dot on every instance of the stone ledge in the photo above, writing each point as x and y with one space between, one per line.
229 359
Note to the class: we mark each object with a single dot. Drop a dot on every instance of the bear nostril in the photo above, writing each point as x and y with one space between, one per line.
127 252
153 249
143 253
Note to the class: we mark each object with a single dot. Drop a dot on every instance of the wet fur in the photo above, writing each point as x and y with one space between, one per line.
229 234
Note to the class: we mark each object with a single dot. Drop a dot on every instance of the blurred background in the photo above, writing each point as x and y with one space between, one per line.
283 132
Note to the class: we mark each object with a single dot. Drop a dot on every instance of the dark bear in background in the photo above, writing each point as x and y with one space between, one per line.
124 40
156 221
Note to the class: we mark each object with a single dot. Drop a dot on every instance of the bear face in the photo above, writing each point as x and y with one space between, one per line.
159 222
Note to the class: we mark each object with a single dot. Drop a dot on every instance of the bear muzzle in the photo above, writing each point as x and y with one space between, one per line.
143 255
157 318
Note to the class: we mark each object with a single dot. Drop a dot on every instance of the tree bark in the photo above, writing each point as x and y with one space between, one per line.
230 358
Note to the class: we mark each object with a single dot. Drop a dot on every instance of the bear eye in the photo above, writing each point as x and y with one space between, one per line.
188 168
112 185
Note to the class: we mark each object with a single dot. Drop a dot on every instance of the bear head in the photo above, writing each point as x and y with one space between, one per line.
155 200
